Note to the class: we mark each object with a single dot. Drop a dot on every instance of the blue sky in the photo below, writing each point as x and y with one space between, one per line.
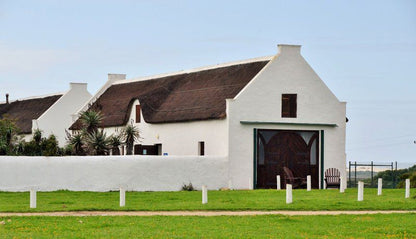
363 50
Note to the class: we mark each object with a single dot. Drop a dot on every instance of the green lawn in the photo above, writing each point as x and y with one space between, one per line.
270 226
392 199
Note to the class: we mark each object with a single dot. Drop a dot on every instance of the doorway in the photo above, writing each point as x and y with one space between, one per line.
296 150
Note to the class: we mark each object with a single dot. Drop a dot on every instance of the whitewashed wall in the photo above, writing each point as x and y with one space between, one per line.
181 138
260 101
105 173
58 117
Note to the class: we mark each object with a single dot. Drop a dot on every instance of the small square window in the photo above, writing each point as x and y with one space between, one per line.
289 105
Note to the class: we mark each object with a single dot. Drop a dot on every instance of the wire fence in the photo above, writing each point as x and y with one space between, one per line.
370 172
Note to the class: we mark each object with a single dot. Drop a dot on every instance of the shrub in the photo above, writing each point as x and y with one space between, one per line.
188 187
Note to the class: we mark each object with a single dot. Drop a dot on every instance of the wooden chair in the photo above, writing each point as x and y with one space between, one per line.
297 182
332 178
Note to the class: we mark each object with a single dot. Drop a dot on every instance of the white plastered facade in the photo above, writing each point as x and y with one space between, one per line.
180 138
258 106
58 117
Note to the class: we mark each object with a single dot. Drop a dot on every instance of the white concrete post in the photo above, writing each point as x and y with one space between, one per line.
122 197
308 183
407 195
360 191
230 184
379 186
204 194
278 182
341 185
32 198
289 198
250 184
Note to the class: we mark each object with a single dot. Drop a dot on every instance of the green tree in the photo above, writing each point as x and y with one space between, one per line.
8 135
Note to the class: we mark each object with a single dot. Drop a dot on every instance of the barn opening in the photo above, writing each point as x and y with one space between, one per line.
296 150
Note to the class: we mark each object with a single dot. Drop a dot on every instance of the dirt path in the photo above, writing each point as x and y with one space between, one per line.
193 213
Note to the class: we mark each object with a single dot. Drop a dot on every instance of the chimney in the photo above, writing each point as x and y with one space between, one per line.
7 98
115 77
289 49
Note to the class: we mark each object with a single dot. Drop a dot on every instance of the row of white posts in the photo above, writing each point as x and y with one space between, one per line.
289 198
379 189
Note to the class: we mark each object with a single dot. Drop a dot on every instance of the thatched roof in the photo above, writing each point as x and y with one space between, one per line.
24 111
198 95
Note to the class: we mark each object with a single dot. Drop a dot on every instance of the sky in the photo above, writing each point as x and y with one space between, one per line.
363 50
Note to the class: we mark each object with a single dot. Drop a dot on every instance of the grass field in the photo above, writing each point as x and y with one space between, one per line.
392 199
340 226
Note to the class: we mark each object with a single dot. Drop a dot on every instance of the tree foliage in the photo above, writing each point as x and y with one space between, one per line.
8 136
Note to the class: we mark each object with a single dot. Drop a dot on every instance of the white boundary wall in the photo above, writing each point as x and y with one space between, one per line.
106 173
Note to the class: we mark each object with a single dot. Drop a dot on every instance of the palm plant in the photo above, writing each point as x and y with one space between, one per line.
97 143
115 142
76 143
91 120
130 134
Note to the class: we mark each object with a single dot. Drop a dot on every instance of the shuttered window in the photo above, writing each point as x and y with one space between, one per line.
138 113
289 105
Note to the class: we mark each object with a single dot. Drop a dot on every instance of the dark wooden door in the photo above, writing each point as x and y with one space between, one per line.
297 150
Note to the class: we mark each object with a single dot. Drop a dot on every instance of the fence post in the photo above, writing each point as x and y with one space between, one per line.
289 198
379 186
349 174
407 194
204 194
278 182
341 184
122 197
360 191
32 198
308 183
372 175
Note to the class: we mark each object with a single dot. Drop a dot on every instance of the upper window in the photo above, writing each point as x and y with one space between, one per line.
289 105
138 113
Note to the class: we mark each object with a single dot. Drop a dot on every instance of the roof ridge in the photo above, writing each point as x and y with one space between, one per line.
35 97
194 70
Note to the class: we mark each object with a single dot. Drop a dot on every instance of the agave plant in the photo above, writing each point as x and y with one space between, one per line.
130 134
97 143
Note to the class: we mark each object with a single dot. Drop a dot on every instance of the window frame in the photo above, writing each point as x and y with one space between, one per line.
289 106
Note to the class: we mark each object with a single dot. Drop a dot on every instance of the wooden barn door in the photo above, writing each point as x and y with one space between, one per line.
296 150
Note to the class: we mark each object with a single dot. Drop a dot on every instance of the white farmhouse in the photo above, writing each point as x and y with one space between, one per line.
52 114
264 114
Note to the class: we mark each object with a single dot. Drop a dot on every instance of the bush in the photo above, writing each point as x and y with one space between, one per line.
411 176
188 187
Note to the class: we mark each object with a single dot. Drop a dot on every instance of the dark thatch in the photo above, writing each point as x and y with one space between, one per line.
24 111
176 98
